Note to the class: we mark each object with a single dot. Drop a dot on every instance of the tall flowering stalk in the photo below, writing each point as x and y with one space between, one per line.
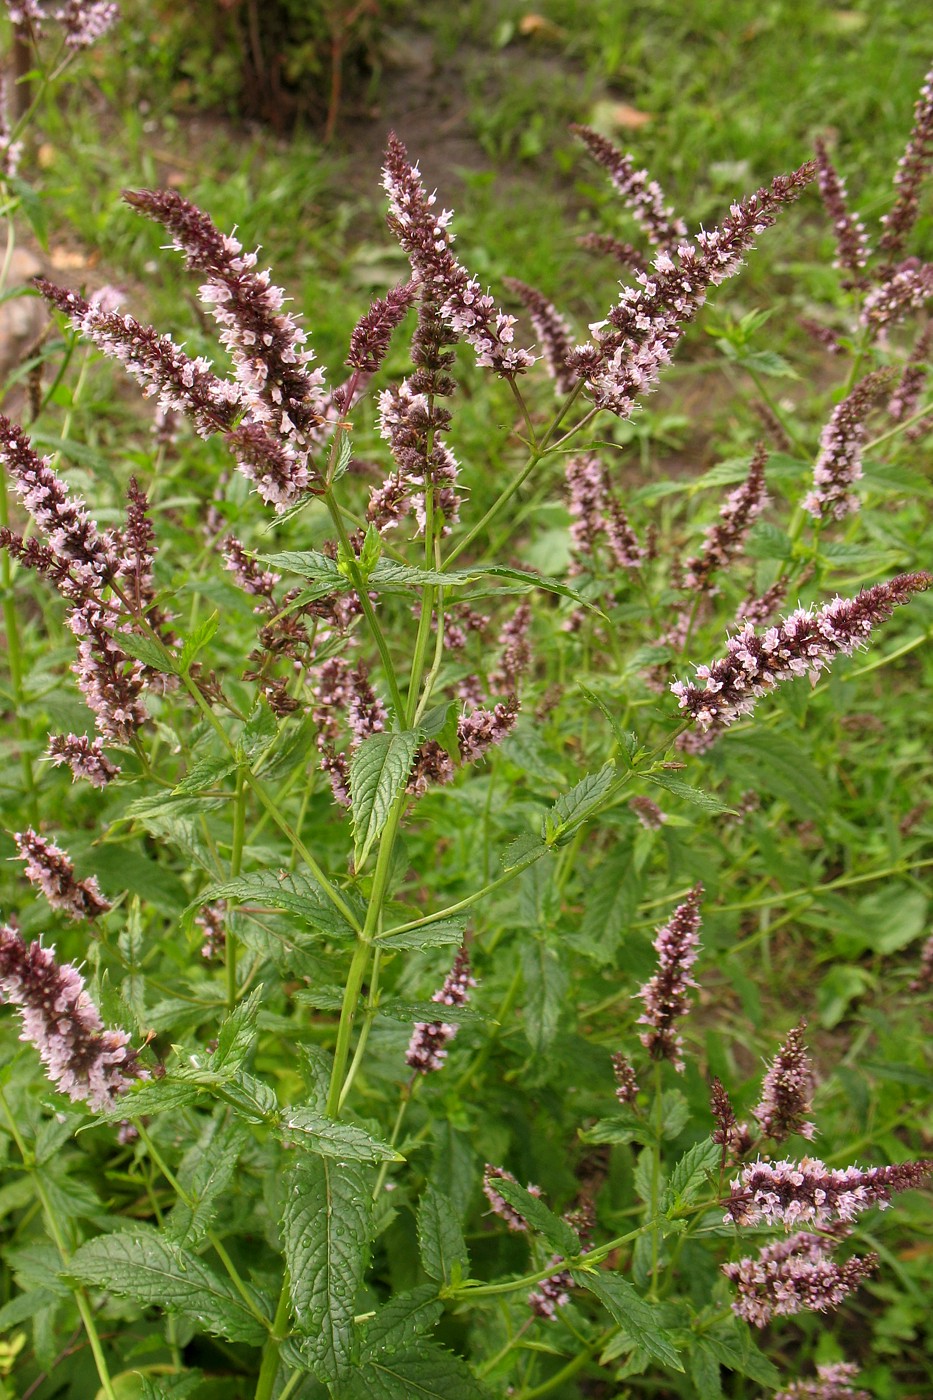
724 539
83 1059
426 238
787 1091
839 465
853 247
805 643
911 169
635 341
810 1193
666 995
643 195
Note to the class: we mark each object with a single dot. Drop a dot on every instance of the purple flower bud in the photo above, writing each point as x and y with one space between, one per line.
48 867
85 757
834 1382
787 1091
499 1204
427 1049
666 995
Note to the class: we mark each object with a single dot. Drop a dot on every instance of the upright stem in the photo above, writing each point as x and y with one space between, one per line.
236 863
80 1295
270 1354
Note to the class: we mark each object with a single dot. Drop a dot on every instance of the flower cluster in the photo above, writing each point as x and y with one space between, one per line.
734 1136
514 651
724 539
85 757
835 1381
853 247
110 681
211 921
626 1083
281 395
787 1091
83 1059
794 1275
911 170
595 514
427 1049
624 253
426 238
478 731
499 1204
48 867
808 1192
411 423
554 335
648 813
635 342
643 196
666 995
83 21
805 643
903 402
839 465
907 290
369 341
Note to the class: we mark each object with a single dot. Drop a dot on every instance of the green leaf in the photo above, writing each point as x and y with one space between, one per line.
624 737
739 1352
155 1273
177 1387
403 1319
295 894
237 1034
765 541
428 1012
323 572
689 1176
369 554
205 1174
444 1254
329 1138
837 990
621 1128
326 1232
148 652
636 1316
439 934
378 772
576 805
545 993
524 850
203 773
696 796
196 641
424 1371
704 1370
767 362
556 1232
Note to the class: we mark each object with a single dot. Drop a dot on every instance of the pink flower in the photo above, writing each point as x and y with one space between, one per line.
787 1091
666 995
48 867
794 1275
83 1059
427 1048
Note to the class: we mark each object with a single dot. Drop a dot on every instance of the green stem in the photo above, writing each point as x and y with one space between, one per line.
372 1002
270 1355
899 428
656 1178
361 954
470 900
577 1363
408 1091
236 863
356 578
79 1294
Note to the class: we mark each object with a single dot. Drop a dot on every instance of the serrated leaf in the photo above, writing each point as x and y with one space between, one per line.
155 1273
632 1312
423 1372
203 773
378 772
740 1353
205 1173
617 1130
690 1174
237 1033
574 806
310 564
612 896
326 1232
766 541
696 796
148 1097
556 1232
294 894
401 1320
197 640
429 1012
177 1387
443 1252
623 737
149 652
704 1371
524 850
328 1138
545 989
439 934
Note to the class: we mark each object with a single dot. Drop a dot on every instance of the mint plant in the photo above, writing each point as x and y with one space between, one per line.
362 856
